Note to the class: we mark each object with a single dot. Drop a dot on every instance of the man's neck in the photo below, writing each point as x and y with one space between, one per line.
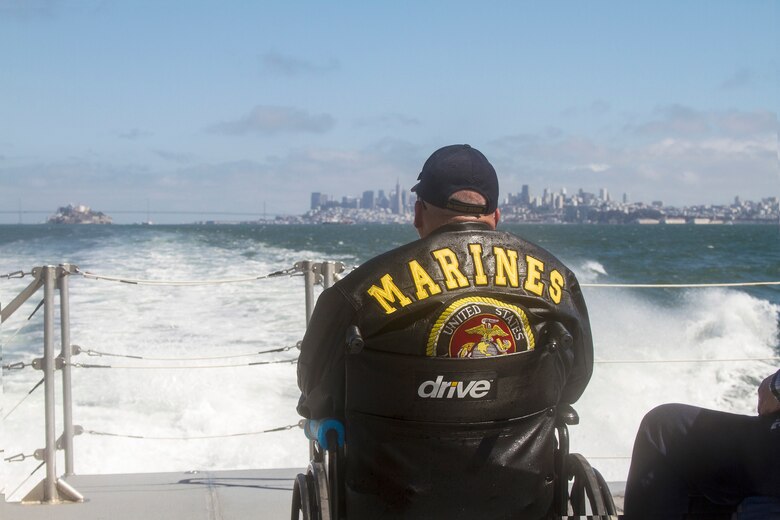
456 225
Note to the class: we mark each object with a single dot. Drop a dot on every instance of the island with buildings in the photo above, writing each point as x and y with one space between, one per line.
78 214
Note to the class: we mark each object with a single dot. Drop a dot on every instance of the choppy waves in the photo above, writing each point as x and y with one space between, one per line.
690 331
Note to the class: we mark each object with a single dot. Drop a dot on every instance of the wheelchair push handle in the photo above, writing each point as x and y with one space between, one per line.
355 341
321 430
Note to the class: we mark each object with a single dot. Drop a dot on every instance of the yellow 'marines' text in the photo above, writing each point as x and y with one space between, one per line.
507 265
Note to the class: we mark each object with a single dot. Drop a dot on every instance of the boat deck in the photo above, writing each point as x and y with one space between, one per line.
190 495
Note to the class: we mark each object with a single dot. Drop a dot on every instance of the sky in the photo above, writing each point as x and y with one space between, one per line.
249 106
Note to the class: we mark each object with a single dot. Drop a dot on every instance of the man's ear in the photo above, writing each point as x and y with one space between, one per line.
497 215
418 217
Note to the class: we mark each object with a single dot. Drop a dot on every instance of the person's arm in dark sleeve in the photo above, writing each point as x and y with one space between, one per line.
321 361
769 395
582 367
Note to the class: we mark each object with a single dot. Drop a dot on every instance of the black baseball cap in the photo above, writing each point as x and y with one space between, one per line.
454 168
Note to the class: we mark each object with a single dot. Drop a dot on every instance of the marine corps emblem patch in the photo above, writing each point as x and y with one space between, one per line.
476 327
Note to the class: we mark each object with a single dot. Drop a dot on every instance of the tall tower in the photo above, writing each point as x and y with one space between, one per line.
525 195
398 204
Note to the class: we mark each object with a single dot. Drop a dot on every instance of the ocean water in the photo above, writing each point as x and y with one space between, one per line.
710 339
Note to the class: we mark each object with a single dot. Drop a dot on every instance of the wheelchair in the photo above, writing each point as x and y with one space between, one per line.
432 437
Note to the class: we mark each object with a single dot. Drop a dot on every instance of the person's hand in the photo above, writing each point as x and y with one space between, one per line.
767 402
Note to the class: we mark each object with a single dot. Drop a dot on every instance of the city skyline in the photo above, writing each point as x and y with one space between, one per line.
549 207
541 198
199 109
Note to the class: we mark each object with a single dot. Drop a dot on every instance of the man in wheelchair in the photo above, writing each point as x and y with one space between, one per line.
467 347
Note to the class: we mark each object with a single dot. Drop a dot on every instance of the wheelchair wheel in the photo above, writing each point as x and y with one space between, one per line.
310 495
588 484
301 501
320 493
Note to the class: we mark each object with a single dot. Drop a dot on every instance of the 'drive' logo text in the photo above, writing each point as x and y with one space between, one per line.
441 389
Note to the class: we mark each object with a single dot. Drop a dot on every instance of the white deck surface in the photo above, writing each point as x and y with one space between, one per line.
208 495
196 495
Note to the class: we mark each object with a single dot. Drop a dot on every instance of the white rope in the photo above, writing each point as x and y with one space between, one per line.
640 361
28 478
5 344
138 281
195 437
674 285
23 399
97 353
10 340
182 367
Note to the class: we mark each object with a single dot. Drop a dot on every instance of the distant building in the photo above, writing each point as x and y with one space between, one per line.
397 207
318 200
381 200
368 201
349 202
525 195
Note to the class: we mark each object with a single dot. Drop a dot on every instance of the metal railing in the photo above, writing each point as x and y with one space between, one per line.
52 278
53 489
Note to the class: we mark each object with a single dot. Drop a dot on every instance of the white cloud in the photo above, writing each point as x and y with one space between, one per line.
29 9
690 178
741 78
722 146
272 120
173 156
133 134
713 154
391 120
286 65
680 121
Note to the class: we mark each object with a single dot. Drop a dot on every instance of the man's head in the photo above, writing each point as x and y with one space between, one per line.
457 184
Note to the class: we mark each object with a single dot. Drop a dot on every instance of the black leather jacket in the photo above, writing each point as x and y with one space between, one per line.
463 291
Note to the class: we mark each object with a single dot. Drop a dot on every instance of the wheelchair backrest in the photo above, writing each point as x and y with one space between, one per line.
450 438
439 389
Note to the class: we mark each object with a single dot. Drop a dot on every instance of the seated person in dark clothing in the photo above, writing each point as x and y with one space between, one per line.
682 451
463 290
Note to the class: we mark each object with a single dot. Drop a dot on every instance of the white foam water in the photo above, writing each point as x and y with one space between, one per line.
235 319
178 323
704 324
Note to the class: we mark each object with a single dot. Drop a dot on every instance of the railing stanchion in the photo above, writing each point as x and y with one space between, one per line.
309 279
329 272
67 396
50 451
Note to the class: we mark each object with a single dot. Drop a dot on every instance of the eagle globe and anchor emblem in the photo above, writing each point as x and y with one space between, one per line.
477 327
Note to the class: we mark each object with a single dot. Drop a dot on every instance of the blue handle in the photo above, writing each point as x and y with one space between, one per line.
317 430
